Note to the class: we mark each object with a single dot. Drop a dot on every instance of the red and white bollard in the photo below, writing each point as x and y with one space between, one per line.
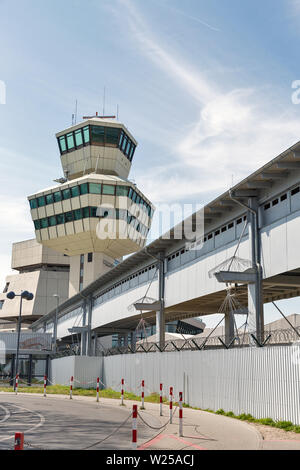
171 404
17 383
180 415
98 381
122 392
71 387
45 385
143 395
160 399
19 441
134 426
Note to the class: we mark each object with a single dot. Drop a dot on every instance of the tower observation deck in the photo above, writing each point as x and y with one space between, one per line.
95 214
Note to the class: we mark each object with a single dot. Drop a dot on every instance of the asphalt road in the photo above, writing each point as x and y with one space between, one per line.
61 423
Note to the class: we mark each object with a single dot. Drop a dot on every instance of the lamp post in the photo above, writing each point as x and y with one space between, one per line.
55 323
27 296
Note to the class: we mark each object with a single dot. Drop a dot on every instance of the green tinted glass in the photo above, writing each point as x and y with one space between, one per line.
62 143
57 196
93 211
75 191
69 216
77 214
84 189
85 212
66 193
44 222
78 137
52 220
95 188
124 142
60 218
86 134
49 199
33 203
36 224
112 135
70 141
97 134
41 201
122 190
108 189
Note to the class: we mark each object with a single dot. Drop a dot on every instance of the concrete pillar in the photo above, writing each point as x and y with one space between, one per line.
160 315
255 297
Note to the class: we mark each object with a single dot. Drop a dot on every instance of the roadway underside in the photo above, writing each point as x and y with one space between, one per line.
282 286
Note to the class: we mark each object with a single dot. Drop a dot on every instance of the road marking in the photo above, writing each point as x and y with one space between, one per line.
162 436
7 414
39 424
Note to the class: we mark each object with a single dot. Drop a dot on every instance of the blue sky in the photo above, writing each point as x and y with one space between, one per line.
204 86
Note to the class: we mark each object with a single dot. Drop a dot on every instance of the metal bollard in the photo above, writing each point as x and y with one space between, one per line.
180 415
71 387
134 427
122 392
98 380
143 395
45 385
19 441
160 399
171 404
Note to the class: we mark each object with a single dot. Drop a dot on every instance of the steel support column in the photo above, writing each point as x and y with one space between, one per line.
89 332
229 327
83 341
255 298
160 315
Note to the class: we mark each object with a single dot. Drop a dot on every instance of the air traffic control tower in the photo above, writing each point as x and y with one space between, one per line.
94 215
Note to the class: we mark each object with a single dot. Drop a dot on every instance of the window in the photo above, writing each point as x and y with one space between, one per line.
1 304
97 134
52 220
267 206
66 193
70 141
78 137
95 188
49 199
217 232
223 229
209 237
275 202
230 225
62 144
112 136
295 191
33 203
69 216
93 211
36 224
44 222
122 190
75 191
77 214
283 197
90 257
239 221
131 152
108 189
41 201
57 196
84 189
6 287
85 212
60 219
124 143
86 134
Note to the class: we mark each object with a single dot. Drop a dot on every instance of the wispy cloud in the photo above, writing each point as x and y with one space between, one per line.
235 130
194 18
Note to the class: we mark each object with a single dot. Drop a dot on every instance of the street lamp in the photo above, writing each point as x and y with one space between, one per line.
27 296
55 323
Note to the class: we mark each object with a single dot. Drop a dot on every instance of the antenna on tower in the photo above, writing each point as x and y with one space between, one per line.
74 115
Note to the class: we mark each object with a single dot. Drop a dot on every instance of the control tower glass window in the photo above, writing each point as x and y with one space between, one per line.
70 141
95 188
78 138
86 134
112 136
97 135
62 144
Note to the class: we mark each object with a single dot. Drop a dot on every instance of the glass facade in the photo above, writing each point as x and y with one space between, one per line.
97 135
90 212
91 188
